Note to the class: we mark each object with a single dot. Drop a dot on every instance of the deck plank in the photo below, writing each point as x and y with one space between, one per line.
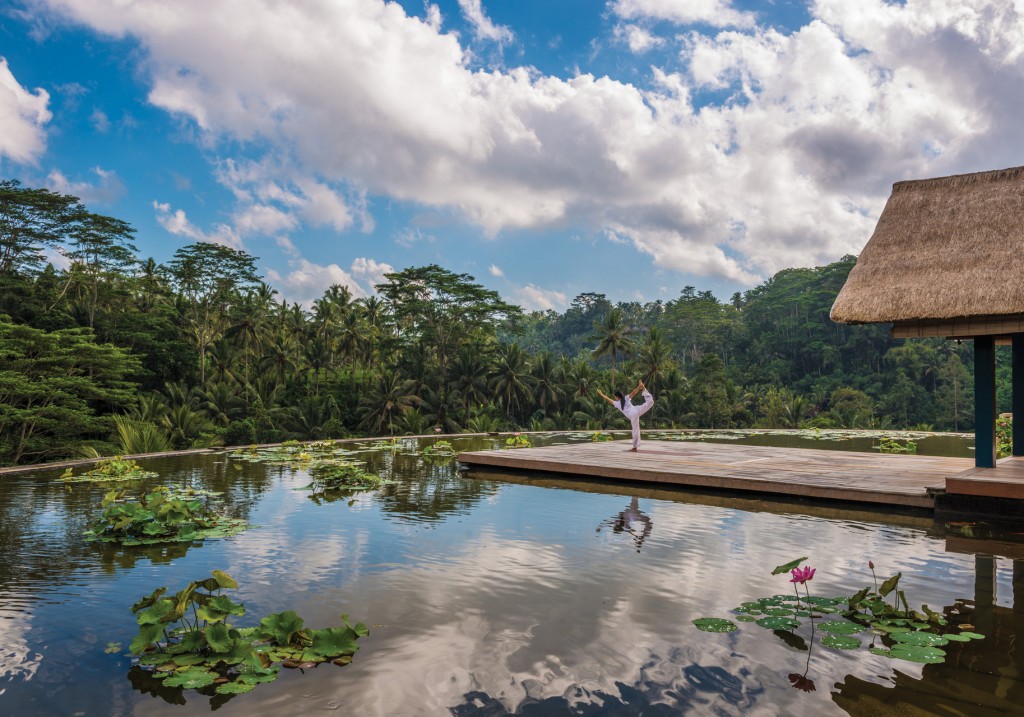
896 480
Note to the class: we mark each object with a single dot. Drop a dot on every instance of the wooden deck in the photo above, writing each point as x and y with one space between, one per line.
893 480
1006 480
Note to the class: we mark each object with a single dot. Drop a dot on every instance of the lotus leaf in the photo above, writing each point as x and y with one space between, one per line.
788 566
218 637
234 688
154 658
841 642
224 580
920 638
192 678
148 634
889 585
779 623
973 635
746 618
334 641
839 627
192 641
281 627
148 600
715 624
186 659
157 613
778 611
918 653
957 637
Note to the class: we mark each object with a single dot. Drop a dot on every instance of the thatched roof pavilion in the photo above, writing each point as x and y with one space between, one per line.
946 259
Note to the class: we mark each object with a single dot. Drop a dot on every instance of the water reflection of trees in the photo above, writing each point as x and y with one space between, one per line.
698 689
42 519
420 489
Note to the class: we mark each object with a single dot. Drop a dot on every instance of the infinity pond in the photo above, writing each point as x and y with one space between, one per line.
492 594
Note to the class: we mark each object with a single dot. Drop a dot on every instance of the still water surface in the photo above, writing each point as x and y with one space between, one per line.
491 594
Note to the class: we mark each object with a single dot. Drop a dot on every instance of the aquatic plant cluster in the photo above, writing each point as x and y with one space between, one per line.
329 465
187 641
160 516
109 470
517 440
881 612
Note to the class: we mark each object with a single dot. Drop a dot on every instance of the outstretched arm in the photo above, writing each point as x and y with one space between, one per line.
609 400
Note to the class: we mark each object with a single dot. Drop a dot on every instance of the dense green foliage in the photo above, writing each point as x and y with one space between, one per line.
121 354
187 640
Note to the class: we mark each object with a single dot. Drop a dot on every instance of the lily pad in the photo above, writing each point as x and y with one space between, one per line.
839 627
841 642
929 639
778 612
234 688
779 623
749 618
715 624
957 637
191 679
918 653
973 635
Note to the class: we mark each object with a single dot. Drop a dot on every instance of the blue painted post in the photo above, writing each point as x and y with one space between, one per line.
985 401
1018 396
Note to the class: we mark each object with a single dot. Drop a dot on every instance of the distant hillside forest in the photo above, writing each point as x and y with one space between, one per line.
121 354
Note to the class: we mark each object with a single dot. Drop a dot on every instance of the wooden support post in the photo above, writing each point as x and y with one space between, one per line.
985 401
984 594
1018 394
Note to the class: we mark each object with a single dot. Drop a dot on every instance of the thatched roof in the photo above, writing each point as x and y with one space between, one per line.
944 248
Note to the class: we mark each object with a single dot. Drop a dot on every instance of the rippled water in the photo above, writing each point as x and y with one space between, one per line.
491 594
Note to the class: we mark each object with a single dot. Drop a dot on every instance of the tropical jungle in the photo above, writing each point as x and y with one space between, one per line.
118 354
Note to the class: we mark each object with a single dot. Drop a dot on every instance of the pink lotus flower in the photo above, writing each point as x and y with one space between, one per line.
802 575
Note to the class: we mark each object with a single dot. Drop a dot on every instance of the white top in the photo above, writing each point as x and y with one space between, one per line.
630 411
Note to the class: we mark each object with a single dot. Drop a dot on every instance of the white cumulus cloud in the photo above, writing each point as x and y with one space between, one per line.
177 222
307 281
107 189
534 298
370 270
788 166
22 117
717 13
483 27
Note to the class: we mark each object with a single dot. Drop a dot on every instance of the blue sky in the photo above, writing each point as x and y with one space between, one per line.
630 147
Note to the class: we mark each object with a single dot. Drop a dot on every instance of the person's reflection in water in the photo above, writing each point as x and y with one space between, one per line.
627 522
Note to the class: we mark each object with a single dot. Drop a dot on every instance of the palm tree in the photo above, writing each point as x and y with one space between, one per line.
511 381
221 357
385 401
469 370
654 359
312 417
248 328
612 335
547 373
277 358
222 403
